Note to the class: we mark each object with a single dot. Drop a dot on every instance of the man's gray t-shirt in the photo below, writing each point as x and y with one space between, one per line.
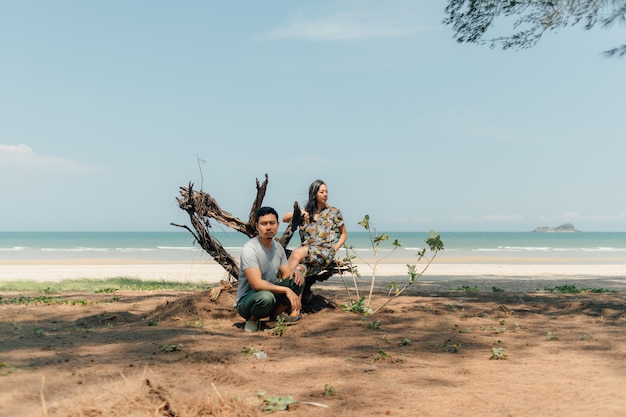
254 254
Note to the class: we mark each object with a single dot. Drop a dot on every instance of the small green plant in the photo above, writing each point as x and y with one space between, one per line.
329 390
275 403
171 348
375 325
41 299
565 289
279 328
460 330
121 283
467 288
196 322
406 342
497 289
450 347
551 336
381 355
571 289
497 353
586 336
393 288
493 329
38 332
453 308
356 306
7 370
105 290
434 243
246 350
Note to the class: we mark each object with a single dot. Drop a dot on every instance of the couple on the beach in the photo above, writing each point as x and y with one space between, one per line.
270 284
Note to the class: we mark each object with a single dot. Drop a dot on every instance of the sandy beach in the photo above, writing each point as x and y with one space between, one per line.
451 345
508 274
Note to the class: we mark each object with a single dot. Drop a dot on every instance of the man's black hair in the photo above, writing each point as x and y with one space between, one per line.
265 211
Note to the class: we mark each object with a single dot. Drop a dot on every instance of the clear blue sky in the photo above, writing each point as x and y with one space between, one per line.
107 107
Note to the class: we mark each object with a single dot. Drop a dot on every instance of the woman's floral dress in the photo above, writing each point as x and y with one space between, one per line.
319 236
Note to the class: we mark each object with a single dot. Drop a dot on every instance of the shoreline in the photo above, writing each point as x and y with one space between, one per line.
509 274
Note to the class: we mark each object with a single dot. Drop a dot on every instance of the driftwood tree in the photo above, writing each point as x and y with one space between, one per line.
203 210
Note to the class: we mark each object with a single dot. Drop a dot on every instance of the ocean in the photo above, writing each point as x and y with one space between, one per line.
180 245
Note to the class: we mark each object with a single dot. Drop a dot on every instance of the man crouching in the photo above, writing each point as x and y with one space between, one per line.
261 293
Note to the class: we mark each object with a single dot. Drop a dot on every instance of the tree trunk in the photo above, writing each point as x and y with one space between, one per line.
202 209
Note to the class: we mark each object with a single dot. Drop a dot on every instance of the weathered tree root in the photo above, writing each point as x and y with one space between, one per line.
202 208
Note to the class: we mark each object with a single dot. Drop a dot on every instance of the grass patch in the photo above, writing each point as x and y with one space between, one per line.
99 285
571 289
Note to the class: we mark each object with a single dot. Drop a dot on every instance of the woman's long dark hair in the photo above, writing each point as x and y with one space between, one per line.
311 205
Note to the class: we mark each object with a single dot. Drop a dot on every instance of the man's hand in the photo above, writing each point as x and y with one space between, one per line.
296 304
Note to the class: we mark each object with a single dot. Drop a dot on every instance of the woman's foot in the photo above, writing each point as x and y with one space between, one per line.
289 318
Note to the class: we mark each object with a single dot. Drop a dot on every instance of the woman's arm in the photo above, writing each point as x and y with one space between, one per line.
342 238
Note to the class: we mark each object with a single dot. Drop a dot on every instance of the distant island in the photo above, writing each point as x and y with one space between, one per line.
567 227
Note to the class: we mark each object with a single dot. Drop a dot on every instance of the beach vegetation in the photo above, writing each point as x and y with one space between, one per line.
247 350
453 308
381 355
7 370
105 290
329 390
459 329
529 20
467 288
363 304
572 289
275 402
493 329
356 306
497 353
279 328
99 285
171 348
406 342
551 336
43 299
38 332
496 289
196 321
374 325
451 347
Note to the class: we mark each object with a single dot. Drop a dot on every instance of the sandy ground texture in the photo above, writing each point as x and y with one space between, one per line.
434 351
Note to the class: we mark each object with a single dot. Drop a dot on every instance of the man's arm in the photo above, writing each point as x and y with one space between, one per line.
256 281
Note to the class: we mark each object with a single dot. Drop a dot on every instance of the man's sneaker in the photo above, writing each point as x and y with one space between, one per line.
251 326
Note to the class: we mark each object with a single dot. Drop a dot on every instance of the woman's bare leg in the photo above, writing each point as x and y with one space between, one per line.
297 255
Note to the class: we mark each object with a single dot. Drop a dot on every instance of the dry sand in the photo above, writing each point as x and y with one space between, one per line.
435 351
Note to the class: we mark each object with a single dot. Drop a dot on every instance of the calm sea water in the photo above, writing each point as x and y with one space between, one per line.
181 245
